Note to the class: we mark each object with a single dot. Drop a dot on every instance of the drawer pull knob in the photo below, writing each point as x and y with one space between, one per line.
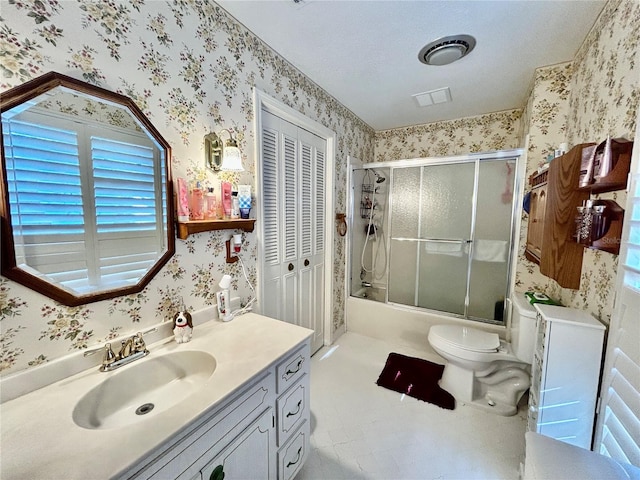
298 366
292 414
297 458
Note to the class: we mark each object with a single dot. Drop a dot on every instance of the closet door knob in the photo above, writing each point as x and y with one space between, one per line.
306 263
290 267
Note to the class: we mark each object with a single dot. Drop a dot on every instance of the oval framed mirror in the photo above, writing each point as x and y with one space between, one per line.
86 191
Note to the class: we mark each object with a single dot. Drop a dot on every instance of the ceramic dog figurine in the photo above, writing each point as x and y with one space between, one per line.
182 327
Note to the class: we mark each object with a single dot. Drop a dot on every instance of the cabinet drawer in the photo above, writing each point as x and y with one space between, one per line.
290 370
293 455
293 406
176 460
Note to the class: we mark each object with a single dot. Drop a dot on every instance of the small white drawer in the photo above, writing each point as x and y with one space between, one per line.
290 370
293 455
293 406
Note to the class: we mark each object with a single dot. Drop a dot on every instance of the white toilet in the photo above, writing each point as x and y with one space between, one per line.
484 370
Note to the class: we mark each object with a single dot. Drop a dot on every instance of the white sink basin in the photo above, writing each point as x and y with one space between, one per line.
142 390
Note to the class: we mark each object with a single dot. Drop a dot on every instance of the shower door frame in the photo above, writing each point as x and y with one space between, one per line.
512 154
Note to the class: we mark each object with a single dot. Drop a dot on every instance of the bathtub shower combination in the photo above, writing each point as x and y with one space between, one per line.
435 234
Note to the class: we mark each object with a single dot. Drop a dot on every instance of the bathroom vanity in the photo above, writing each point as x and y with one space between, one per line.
241 407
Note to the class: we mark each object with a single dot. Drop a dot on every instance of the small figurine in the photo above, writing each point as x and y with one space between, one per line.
182 327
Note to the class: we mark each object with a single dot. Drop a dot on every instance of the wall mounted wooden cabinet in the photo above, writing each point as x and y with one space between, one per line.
550 237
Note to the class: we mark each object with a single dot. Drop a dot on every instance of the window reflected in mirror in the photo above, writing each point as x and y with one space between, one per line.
86 192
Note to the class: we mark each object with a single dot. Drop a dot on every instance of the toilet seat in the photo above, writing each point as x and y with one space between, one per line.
466 338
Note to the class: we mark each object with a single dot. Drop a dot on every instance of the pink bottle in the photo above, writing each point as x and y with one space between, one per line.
226 199
197 203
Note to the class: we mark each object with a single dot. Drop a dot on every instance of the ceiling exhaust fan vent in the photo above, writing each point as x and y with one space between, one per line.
446 50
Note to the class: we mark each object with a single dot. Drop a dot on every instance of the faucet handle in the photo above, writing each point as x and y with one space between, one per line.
109 356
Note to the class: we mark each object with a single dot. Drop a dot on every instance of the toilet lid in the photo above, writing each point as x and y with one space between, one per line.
467 338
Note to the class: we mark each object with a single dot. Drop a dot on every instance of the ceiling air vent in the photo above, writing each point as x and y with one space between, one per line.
446 50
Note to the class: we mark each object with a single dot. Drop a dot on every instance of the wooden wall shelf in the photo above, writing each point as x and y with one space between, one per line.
197 226
617 178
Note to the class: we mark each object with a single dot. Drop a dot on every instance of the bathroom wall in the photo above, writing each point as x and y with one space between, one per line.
598 94
191 68
594 95
481 133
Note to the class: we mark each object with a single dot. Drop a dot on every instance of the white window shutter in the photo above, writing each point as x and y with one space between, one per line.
62 207
618 427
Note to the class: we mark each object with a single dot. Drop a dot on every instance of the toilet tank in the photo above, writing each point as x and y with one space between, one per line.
523 327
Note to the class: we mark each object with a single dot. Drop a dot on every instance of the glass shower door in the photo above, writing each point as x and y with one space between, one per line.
488 281
429 259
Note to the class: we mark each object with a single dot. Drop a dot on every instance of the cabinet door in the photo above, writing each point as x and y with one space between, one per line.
535 234
250 456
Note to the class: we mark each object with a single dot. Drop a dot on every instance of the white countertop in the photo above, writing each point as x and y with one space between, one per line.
39 439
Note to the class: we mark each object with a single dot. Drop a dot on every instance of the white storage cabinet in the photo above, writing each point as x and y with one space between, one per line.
261 433
565 374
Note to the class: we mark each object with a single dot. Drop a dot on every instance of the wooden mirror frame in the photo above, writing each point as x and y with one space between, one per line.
9 268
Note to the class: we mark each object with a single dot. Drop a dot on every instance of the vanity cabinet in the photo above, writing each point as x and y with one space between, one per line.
565 374
293 413
262 432
551 232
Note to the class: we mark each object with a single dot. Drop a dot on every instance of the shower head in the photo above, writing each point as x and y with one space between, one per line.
379 178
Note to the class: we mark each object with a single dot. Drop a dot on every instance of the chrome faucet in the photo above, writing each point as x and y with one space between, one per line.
131 349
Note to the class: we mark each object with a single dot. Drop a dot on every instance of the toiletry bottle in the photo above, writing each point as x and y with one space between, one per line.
197 203
226 199
235 205
211 211
183 200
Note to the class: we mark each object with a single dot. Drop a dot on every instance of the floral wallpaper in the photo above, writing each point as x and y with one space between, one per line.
596 95
482 133
545 120
191 68
90 110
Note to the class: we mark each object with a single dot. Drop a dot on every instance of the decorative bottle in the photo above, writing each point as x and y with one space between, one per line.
211 205
197 203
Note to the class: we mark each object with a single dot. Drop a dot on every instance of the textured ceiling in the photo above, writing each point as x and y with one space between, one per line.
365 52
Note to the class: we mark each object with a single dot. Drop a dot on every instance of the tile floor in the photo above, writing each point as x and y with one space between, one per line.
362 431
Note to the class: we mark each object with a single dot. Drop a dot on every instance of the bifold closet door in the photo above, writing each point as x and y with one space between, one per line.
293 215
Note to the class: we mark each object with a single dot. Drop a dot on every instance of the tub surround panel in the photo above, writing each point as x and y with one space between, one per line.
191 68
403 325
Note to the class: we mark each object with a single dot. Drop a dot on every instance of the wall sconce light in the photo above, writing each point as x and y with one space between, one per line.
219 156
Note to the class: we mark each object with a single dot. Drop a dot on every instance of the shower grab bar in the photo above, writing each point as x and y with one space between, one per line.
437 240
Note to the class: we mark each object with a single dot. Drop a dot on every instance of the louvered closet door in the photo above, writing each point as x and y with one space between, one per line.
293 190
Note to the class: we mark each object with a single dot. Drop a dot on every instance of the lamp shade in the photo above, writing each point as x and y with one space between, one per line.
231 159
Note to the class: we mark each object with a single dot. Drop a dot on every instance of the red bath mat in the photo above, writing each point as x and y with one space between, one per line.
417 378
